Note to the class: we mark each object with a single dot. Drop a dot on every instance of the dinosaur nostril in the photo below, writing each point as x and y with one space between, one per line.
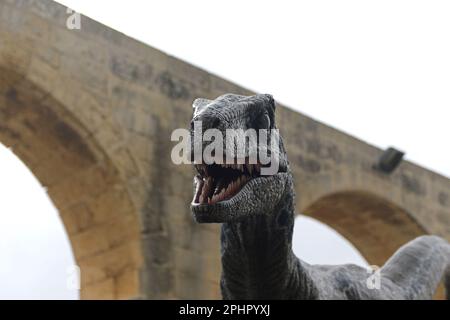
215 123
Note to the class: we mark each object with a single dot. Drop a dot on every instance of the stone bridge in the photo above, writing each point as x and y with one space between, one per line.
91 111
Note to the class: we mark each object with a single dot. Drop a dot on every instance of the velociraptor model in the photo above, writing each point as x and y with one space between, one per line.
257 216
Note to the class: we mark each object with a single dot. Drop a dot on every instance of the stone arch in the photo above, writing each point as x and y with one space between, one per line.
374 225
81 180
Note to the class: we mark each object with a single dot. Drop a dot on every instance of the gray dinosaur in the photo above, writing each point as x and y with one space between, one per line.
257 216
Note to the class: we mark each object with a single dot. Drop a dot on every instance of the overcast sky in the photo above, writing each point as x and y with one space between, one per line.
378 70
36 257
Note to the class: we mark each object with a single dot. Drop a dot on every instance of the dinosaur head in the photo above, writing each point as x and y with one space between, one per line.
248 176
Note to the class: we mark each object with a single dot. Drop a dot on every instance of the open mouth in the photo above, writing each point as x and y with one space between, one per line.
221 182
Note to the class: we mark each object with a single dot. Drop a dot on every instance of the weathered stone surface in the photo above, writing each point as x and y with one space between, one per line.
91 111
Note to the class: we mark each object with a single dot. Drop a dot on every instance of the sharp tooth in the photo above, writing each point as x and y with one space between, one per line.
206 189
228 189
197 189
204 198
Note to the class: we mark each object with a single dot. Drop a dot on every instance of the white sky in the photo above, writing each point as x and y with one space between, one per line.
36 259
378 70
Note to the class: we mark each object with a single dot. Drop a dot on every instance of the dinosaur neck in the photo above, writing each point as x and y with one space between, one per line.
257 257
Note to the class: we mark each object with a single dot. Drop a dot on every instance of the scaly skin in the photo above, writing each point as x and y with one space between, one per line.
257 227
